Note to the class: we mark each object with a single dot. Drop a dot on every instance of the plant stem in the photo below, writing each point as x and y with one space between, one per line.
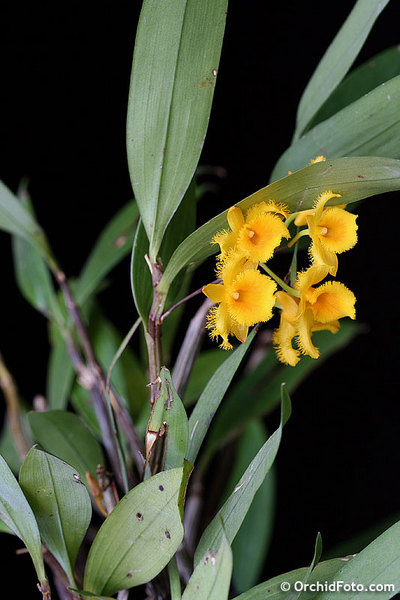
278 280
153 335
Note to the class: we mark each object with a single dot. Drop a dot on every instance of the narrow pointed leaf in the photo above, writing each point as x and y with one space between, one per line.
322 572
113 244
295 594
18 516
170 98
366 77
211 578
354 178
138 538
211 398
378 563
60 373
249 558
60 503
15 219
338 59
33 278
230 517
369 126
63 434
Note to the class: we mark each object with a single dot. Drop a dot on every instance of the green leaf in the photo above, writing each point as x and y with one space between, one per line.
60 504
230 517
295 594
337 60
272 587
15 219
265 391
141 284
211 578
18 516
63 434
33 278
174 415
81 401
368 127
369 75
354 178
211 398
203 370
5 529
113 244
378 563
138 538
249 558
170 99
60 373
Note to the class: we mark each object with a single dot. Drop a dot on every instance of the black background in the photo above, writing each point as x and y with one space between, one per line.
65 86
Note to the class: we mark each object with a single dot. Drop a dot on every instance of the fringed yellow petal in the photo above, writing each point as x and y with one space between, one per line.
278 208
282 341
250 297
309 277
235 218
219 323
261 235
322 200
337 230
214 292
317 159
290 305
226 240
303 337
320 255
231 265
332 301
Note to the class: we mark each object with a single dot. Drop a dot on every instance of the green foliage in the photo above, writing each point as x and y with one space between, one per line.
113 244
337 60
367 127
18 516
63 434
322 572
230 517
369 75
212 575
60 504
211 397
249 558
378 563
139 537
170 96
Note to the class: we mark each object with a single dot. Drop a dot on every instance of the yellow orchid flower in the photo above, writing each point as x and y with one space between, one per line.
317 309
246 297
256 234
332 232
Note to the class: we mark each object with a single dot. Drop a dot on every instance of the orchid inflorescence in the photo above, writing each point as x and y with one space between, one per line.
245 296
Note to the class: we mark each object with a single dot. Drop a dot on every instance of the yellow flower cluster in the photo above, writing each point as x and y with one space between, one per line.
247 297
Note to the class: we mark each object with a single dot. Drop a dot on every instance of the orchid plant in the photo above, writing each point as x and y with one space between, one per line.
106 497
